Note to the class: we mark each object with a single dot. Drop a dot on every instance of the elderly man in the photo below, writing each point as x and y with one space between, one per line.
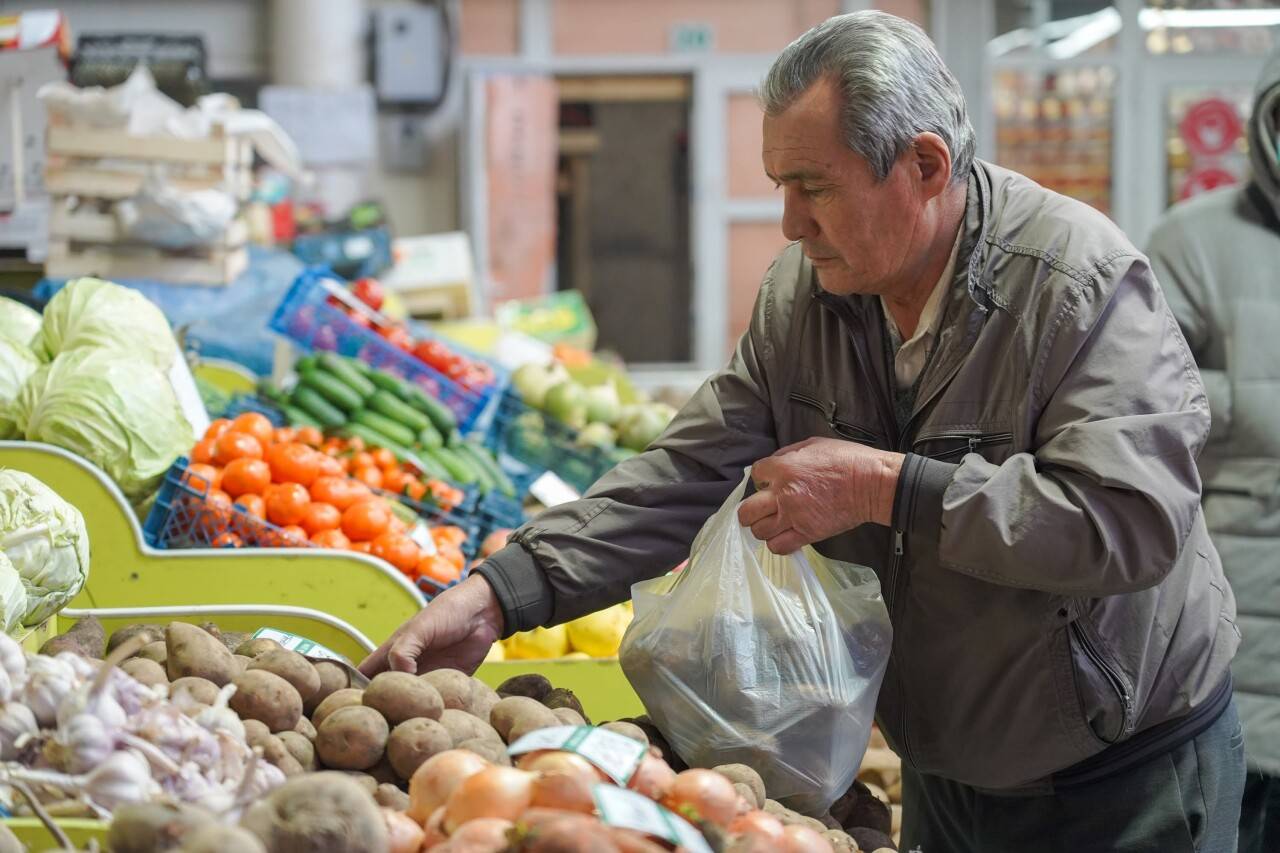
1218 260
974 386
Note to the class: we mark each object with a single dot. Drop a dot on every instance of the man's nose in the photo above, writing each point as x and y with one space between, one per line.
797 224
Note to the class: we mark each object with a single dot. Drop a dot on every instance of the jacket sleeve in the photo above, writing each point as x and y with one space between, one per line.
639 520
1104 503
1184 277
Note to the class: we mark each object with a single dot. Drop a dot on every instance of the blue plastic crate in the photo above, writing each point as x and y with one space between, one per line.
352 254
307 317
496 510
183 518
545 444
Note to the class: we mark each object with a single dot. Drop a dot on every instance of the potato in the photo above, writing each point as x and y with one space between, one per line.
488 748
792 818
530 713
463 727
318 811
301 749
383 773
190 651
454 687
212 629
526 724
265 696
200 689
413 742
154 651
353 738
242 663
233 639
339 699
870 839
87 638
841 841
483 698
562 698
630 730
401 696
332 679
255 732
216 838
146 827
292 667
305 728
253 647
569 717
364 780
391 797
742 774
145 671
748 795
123 635
277 752
533 686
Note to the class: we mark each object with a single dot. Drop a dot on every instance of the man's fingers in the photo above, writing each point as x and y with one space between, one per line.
759 506
787 542
769 527
406 651
376 662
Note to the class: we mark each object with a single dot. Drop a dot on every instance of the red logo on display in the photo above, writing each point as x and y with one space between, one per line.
1203 180
1210 127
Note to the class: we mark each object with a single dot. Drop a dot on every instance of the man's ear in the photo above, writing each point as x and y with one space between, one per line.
931 163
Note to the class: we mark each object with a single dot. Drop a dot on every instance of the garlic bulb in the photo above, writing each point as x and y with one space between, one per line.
13 660
80 665
218 717
16 722
86 742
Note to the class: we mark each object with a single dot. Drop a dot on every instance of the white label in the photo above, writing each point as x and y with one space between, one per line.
551 491
629 810
301 645
617 755
421 535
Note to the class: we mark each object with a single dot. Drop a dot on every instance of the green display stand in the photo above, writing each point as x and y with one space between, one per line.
359 591
600 685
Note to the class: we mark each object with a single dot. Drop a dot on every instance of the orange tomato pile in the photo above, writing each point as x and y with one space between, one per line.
377 468
299 482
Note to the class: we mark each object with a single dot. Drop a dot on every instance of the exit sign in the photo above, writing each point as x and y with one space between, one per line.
692 37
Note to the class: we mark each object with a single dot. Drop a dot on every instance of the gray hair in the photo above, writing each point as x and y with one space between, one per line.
893 83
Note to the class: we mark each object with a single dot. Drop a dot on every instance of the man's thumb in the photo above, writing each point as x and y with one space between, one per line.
405 652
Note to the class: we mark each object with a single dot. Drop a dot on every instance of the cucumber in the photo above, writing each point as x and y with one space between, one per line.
388 404
306 363
481 458
459 471
402 512
484 480
341 368
309 400
397 432
387 382
430 438
439 413
431 467
332 389
297 417
360 367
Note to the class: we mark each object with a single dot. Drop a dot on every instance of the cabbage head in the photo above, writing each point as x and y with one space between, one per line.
13 596
91 313
44 538
17 363
19 322
115 410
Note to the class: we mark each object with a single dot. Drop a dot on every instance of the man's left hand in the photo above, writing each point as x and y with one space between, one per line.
817 488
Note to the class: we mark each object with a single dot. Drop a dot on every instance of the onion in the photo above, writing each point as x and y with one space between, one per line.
404 834
757 824
652 778
802 839
568 791
483 835
558 761
435 779
703 795
434 830
502 792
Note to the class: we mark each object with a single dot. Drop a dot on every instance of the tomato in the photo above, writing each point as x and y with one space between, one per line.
287 504
256 425
438 569
394 480
331 539
203 451
362 547
370 475
284 435
366 520
397 336
252 504
213 515
362 460
217 428
414 489
333 490
330 467
232 445
398 550
368 291
383 458
292 536
202 477
227 540
433 353
320 517
294 463
359 319
309 436
246 476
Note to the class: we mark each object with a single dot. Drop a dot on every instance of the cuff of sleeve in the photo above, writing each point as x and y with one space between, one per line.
523 592
917 506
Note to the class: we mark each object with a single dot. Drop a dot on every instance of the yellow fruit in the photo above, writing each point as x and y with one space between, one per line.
599 634
538 644
497 652
576 656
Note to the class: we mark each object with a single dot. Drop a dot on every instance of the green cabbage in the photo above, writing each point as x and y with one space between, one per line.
13 596
91 313
44 539
19 322
117 411
17 363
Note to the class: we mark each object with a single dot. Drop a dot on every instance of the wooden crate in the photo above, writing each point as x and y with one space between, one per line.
91 168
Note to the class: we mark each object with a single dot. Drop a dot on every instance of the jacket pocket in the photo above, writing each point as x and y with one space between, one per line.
1106 701
952 446
841 427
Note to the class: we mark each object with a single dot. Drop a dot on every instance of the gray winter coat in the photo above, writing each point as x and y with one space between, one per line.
1218 259
1051 581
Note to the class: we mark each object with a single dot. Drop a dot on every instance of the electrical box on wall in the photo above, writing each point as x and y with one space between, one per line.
409 53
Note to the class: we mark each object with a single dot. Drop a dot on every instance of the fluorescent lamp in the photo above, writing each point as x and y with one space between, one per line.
1151 19
1098 28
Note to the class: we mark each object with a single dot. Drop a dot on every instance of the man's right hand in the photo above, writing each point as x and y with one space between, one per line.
455 630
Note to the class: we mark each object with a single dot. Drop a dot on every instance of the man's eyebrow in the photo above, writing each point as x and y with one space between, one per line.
801 175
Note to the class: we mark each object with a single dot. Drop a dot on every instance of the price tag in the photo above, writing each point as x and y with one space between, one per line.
301 645
551 491
629 810
617 755
421 536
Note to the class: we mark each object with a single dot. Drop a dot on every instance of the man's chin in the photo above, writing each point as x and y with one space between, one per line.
838 282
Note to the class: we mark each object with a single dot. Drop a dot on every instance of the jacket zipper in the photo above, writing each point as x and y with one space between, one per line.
972 442
853 432
1117 684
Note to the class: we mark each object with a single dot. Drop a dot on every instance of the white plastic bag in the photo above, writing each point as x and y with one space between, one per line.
770 661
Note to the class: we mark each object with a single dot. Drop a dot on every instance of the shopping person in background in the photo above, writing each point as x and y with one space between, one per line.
974 386
1218 259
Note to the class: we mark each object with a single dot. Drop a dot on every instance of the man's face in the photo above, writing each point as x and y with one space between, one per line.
862 235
